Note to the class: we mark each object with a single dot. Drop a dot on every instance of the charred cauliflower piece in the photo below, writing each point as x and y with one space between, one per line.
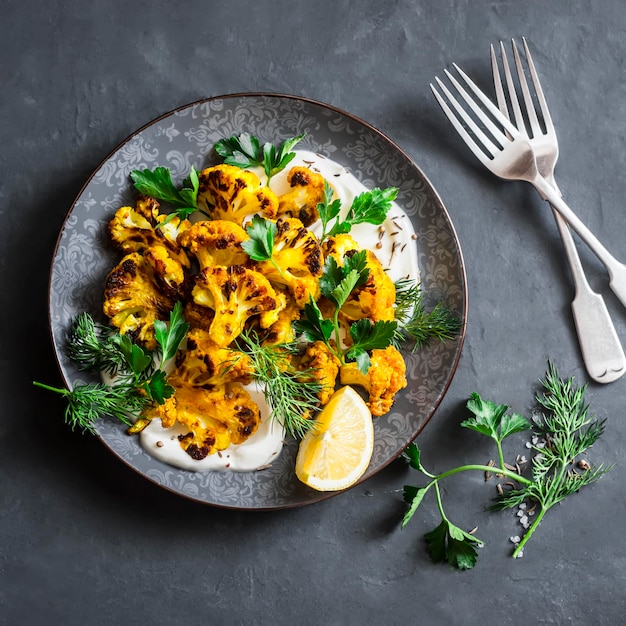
214 417
234 294
385 377
133 300
375 299
233 194
307 191
281 331
134 229
299 256
215 242
324 367
204 363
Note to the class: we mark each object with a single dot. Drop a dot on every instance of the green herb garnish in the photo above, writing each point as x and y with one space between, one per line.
245 151
568 430
415 323
292 394
138 382
370 207
337 284
157 183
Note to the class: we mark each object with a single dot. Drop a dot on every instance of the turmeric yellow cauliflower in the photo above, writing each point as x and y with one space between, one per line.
230 193
215 417
385 377
305 193
215 242
323 365
135 229
296 260
134 296
235 294
203 363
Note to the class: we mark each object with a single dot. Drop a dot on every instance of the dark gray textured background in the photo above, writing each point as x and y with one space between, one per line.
84 540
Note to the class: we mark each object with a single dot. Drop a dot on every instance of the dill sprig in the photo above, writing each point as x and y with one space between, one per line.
415 323
569 431
86 403
292 395
92 346
138 382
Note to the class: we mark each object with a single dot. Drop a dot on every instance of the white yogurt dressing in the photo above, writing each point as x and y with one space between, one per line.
394 245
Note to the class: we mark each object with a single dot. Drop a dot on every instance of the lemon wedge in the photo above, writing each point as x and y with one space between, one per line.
335 453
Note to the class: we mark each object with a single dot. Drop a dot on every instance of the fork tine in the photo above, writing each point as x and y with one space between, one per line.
528 101
545 112
496 133
501 100
488 104
517 110
467 138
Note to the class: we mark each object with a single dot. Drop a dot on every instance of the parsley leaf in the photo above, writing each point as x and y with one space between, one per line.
170 336
368 336
369 207
245 151
313 326
158 184
449 543
260 246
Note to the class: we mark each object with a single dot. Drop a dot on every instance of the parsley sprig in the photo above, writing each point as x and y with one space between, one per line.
139 382
246 151
158 184
369 207
568 429
337 284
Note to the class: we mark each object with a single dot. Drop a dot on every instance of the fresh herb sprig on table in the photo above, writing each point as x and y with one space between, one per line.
246 151
569 431
139 381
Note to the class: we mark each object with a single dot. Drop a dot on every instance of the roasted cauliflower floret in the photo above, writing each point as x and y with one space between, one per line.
385 377
168 273
376 297
307 191
298 255
204 363
235 294
281 329
233 194
323 366
214 417
133 300
215 242
134 229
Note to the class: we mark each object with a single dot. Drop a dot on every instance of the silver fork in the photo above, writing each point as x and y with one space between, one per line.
600 346
506 152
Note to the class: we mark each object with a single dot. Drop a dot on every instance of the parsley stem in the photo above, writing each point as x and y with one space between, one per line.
485 468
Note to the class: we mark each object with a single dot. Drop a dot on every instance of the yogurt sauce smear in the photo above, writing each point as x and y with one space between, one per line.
394 245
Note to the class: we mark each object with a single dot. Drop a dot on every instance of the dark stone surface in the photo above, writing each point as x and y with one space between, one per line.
86 541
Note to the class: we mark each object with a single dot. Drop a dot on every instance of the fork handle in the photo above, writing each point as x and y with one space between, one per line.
617 270
600 346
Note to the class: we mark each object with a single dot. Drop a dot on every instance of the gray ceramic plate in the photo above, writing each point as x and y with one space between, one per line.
186 137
